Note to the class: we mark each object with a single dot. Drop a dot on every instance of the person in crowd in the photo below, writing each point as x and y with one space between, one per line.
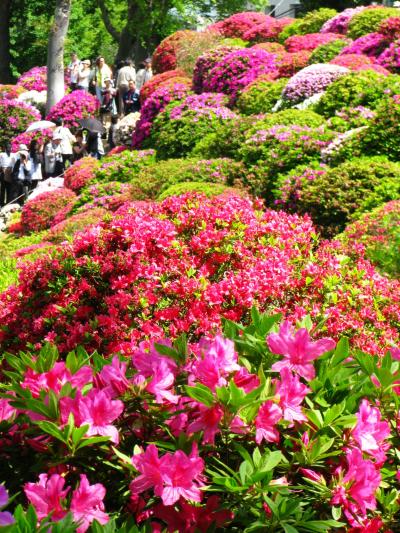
93 144
111 132
53 159
125 75
144 74
35 160
66 141
78 148
84 75
22 177
73 71
101 72
108 107
131 99
7 161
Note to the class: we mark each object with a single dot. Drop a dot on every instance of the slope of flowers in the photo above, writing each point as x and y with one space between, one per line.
74 106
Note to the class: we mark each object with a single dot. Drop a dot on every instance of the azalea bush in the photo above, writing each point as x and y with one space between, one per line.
326 52
154 104
340 22
310 42
110 195
124 166
238 69
371 45
34 79
290 63
74 106
42 136
15 117
260 96
158 80
208 189
80 173
192 46
176 130
238 24
369 20
332 196
206 62
11 91
66 229
311 80
164 56
310 23
268 30
46 209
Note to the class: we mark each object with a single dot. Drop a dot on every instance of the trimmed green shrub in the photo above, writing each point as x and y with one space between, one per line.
365 88
287 117
209 189
260 96
368 21
311 23
124 166
326 52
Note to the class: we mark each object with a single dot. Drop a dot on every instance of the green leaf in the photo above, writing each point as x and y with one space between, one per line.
167 351
201 393
92 440
341 352
52 429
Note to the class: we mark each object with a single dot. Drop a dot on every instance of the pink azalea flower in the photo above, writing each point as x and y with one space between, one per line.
113 377
206 419
46 496
370 431
99 411
297 349
56 378
87 504
6 410
218 360
356 493
291 393
269 414
172 476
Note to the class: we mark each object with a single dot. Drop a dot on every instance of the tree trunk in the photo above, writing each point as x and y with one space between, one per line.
55 53
5 58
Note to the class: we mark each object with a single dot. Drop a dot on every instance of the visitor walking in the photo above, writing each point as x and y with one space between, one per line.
73 71
7 162
131 99
125 74
144 74
53 160
84 75
101 72
108 99
66 141
22 177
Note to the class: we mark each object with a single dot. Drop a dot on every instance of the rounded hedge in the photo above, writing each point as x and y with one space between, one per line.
326 52
208 189
310 23
369 20
260 96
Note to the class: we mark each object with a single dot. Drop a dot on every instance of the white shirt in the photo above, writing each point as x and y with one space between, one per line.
142 76
83 77
74 70
52 153
21 173
36 170
66 141
7 161
125 75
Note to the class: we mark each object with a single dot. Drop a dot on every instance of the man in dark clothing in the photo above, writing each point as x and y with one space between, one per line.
131 99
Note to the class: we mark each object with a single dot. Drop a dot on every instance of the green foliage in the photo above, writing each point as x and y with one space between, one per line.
310 23
124 166
260 96
368 21
366 88
287 117
332 198
326 52
209 189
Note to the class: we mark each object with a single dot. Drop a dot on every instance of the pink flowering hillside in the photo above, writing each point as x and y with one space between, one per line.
74 106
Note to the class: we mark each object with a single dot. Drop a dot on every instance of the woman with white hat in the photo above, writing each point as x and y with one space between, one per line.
84 75
53 160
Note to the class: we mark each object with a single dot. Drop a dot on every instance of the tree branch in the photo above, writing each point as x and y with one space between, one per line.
107 20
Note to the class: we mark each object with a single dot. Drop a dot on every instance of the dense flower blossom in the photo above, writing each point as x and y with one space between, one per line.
42 136
87 504
267 30
11 91
371 45
340 22
15 117
290 393
55 379
47 209
160 80
290 63
390 58
356 491
370 431
310 41
6 410
297 349
238 24
164 56
206 62
312 80
47 496
34 79
390 27
74 106
205 419
197 102
238 69
268 416
352 61
80 173
172 476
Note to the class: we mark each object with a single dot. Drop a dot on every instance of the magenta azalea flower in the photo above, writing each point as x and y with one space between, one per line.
268 415
6 518
46 496
370 431
87 504
297 349
291 393
206 419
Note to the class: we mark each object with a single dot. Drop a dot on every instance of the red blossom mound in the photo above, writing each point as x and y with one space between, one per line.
80 173
239 23
182 265
164 57
267 30
274 48
310 41
46 209
11 91
159 80
290 63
